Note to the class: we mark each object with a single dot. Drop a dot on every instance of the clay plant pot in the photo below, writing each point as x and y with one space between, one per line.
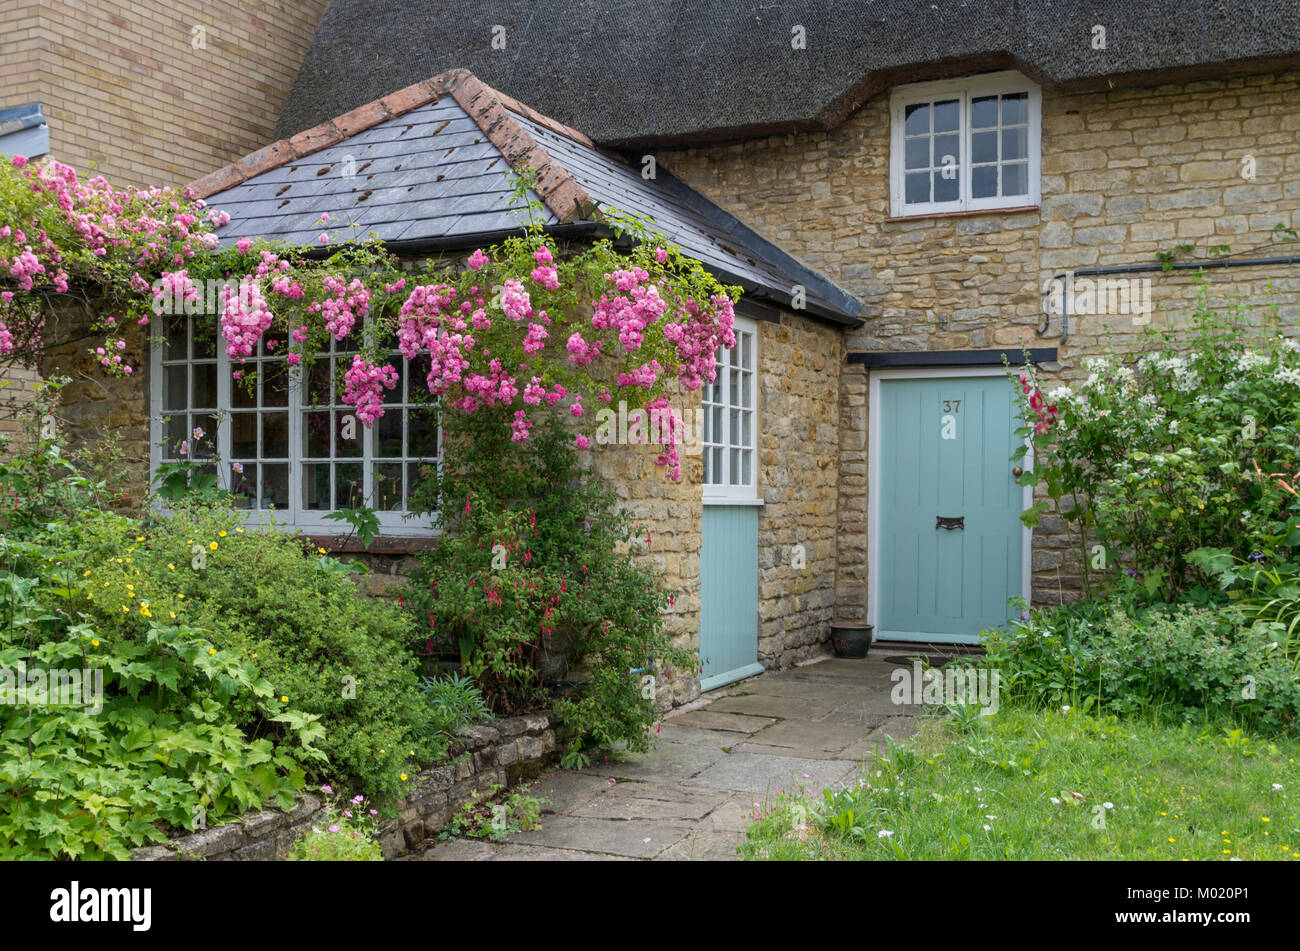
851 640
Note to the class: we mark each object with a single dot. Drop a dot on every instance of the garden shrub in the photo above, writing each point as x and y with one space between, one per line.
1177 661
159 748
533 585
298 615
1192 445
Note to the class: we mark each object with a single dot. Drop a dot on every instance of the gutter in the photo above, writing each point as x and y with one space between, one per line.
1067 276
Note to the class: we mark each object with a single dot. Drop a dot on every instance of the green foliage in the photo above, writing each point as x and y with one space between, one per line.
345 833
364 522
533 587
495 820
148 743
314 636
1052 785
454 701
1179 662
1193 445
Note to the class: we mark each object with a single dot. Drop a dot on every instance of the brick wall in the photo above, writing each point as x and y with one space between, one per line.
1126 173
127 94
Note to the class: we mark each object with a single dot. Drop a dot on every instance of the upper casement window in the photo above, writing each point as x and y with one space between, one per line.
965 145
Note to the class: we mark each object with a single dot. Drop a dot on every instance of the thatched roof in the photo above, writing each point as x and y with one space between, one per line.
631 72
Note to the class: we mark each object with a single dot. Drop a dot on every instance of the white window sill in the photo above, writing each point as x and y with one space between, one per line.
725 500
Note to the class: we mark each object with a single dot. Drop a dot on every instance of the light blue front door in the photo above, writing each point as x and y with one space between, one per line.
949 531
728 594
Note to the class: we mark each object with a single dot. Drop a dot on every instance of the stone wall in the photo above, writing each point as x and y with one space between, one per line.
1127 173
502 752
137 93
798 481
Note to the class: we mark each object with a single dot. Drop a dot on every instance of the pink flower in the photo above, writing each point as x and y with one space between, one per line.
661 255
294 359
18 161
477 260
582 442
543 255
324 238
244 245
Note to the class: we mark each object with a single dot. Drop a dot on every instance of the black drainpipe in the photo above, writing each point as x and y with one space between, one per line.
1147 269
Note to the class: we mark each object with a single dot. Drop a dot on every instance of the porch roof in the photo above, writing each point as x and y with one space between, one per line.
426 167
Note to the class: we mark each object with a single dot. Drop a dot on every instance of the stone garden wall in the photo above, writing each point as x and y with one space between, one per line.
1126 173
500 752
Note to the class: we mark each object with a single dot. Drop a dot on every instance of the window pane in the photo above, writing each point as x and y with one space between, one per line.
984 112
316 486
735 467
984 181
275 485
422 430
946 189
205 385
349 489
747 348
243 393
916 119
1015 179
717 465
175 332
204 329
946 116
205 446
174 395
1015 108
243 483
178 432
243 435
917 188
746 460
1015 144
275 435
984 147
275 384
388 434
318 383
947 151
316 435
917 152
745 386
395 394
416 474
387 478
348 433
744 429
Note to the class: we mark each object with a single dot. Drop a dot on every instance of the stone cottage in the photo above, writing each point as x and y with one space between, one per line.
909 194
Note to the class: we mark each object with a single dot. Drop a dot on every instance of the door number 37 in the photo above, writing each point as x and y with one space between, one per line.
952 406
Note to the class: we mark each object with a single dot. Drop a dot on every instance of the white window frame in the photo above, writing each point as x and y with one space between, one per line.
964 90
295 514
724 492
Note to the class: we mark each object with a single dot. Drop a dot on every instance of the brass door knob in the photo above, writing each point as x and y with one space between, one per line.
1017 472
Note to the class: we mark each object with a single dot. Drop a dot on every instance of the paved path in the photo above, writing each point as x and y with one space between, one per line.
693 795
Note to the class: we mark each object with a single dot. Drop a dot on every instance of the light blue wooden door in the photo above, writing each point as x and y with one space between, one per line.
728 594
945 447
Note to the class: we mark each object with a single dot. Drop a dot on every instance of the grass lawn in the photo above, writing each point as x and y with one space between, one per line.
1050 785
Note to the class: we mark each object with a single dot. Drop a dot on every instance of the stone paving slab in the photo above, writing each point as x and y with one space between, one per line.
765 774
704 846
643 800
635 838
692 796
781 708
709 719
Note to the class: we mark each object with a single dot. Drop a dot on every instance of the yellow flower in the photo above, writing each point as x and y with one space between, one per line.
89 596
144 609
124 610
86 573
221 534
284 699
239 531
212 650
170 566
181 597
1265 819
254 653
321 550
1172 839
139 538
212 546
403 777
172 613
94 642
